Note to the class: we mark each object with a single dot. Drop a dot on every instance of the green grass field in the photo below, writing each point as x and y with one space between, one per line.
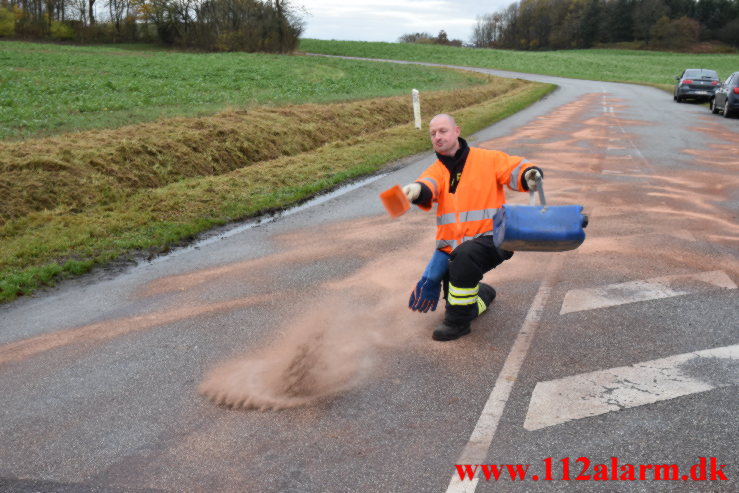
49 89
642 67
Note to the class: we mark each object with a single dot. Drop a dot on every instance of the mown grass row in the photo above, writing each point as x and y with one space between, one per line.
76 171
158 211
642 67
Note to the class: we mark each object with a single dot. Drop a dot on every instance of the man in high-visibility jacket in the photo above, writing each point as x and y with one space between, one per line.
467 184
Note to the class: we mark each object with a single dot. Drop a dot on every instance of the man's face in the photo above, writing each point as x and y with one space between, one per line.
444 135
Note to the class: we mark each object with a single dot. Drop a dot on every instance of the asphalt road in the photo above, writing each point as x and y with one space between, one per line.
621 353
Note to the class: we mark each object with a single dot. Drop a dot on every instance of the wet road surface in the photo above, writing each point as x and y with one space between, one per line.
100 377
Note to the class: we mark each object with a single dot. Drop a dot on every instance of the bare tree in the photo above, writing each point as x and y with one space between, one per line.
415 38
487 30
117 10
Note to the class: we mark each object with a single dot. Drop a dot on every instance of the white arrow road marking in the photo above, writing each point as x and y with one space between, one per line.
599 392
651 289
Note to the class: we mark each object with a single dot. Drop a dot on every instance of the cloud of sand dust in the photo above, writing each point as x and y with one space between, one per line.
318 356
331 346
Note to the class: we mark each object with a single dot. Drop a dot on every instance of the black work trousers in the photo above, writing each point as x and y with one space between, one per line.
467 264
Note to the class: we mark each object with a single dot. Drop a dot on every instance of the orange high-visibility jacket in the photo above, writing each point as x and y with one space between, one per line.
468 213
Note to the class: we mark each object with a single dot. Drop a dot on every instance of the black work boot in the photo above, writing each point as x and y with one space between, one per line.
449 332
486 295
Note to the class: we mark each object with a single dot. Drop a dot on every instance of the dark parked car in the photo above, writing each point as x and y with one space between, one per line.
696 83
726 98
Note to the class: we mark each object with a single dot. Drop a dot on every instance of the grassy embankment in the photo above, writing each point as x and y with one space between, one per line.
71 199
642 67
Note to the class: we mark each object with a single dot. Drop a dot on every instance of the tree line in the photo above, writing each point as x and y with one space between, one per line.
568 24
214 25
425 38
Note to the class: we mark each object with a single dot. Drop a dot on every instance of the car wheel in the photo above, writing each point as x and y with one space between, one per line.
726 109
678 99
714 108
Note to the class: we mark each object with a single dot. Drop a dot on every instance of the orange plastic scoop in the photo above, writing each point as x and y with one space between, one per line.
395 201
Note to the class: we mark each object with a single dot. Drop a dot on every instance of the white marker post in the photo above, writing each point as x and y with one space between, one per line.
416 107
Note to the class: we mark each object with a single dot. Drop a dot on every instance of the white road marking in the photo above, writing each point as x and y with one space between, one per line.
610 111
465 486
651 289
599 392
481 438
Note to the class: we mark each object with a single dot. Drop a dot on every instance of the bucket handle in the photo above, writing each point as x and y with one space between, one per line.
542 199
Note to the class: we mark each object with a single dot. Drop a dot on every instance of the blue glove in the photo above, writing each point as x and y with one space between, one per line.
425 296
428 289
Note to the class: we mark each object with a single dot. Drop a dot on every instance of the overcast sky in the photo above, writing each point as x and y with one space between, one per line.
387 20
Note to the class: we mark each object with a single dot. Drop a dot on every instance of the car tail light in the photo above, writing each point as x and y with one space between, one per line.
736 90
687 81
714 83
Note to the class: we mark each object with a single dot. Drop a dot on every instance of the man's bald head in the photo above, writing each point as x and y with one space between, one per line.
444 134
444 116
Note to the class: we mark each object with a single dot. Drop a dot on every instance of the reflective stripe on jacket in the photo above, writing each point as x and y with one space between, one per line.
468 213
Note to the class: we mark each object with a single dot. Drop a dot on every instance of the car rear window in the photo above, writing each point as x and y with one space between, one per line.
701 74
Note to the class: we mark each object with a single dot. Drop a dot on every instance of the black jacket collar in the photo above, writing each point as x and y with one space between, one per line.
461 155
455 164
